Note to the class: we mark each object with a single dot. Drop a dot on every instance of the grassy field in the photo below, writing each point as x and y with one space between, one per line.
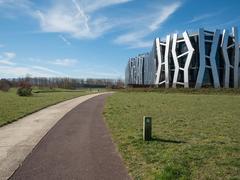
195 136
12 106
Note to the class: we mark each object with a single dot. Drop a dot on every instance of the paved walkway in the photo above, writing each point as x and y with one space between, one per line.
19 138
77 147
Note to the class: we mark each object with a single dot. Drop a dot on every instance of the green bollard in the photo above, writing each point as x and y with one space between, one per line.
147 128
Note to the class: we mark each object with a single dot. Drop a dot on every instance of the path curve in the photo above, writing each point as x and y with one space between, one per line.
79 146
18 139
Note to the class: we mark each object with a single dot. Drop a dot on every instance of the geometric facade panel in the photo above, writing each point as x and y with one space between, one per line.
203 59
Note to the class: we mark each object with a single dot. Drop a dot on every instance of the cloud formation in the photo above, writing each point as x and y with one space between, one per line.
64 62
22 71
7 57
88 19
151 23
76 18
67 42
80 19
8 68
204 16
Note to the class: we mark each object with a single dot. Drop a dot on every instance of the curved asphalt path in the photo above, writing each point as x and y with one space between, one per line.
77 147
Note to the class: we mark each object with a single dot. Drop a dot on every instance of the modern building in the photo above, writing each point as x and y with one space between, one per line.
203 59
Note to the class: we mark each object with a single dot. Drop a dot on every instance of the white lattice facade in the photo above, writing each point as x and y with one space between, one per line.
204 59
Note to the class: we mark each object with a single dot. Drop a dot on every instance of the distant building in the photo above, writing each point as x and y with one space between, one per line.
203 59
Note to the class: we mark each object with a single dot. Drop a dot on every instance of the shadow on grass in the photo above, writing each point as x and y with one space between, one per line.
167 140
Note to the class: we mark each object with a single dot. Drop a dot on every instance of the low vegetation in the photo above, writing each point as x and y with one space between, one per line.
12 106
25 89
195 136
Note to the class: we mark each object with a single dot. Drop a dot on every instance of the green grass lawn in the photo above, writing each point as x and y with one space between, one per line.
195 136
12 106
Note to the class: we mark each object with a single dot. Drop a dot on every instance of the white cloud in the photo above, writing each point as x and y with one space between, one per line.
81 19
35 71
76 18
93 5
7 57
67 42
14 3
204 16
98 72
64 62
3 61
44 69
73 17
11 69
165 13
134 40
152 22
93 74
12 8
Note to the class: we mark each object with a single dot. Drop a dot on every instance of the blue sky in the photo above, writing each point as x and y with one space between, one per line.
95 38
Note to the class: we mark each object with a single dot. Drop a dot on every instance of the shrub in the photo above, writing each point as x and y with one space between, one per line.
25 89
5 85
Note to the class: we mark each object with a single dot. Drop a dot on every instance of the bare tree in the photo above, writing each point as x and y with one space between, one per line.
5 85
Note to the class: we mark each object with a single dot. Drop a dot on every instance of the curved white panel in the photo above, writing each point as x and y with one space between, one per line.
227 66
159 60
162 61
188 53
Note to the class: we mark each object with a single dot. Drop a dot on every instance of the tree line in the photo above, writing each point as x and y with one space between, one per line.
65 83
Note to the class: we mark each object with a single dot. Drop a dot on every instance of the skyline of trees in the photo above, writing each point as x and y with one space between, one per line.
65 83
